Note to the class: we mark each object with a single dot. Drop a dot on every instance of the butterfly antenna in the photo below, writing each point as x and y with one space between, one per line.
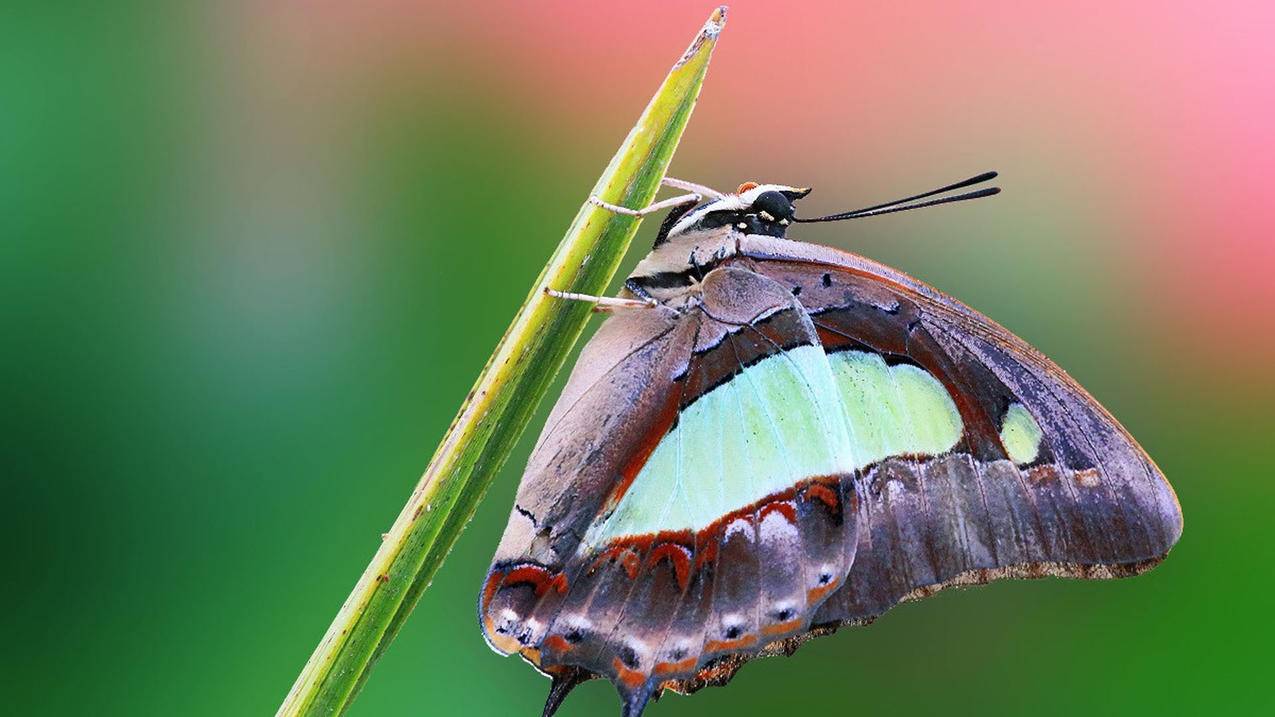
563 682
902 205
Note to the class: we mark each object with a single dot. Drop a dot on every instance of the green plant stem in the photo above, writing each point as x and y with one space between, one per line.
497 410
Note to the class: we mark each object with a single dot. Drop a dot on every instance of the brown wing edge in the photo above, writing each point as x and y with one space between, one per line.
970 578
720 672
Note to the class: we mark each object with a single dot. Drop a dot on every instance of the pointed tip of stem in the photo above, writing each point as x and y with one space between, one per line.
717 20
707 35
535 346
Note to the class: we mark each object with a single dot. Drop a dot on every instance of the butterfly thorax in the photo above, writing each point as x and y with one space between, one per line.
672 272
696 239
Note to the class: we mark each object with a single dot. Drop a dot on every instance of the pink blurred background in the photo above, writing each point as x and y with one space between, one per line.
1160 112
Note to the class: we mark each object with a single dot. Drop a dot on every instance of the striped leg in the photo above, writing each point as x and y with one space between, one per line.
603 303
682 184
658 206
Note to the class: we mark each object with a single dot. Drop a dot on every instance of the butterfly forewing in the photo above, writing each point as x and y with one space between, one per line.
1043 481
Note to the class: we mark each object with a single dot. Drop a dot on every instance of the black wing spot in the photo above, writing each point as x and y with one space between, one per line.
826 279
796 291
527 514
629 657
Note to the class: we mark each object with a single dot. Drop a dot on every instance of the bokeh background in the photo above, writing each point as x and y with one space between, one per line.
253 254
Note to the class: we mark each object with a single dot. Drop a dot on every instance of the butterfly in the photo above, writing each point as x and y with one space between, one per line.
769 439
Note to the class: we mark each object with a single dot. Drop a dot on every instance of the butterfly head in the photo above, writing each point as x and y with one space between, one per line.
768 208
694 239
753 209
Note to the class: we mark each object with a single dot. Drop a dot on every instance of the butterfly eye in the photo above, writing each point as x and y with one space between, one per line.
773 203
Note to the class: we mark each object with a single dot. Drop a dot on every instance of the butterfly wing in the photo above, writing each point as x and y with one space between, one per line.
1043 481
690 501
823 438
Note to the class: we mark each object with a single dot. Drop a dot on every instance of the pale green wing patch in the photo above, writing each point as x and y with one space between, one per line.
1020 435
893 410
794 415
772 425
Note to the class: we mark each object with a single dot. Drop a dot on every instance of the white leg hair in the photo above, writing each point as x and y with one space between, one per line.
686 186
658 206
603 303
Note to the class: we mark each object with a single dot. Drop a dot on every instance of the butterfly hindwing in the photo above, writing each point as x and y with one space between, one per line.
599 425
719 530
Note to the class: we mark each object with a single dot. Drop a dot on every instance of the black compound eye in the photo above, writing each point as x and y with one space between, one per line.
773 203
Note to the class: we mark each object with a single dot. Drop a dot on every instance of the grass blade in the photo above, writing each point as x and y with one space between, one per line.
502 401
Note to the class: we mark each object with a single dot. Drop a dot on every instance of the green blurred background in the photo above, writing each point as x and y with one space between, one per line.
253 255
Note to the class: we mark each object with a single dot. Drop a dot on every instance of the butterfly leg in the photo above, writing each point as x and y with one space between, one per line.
603 303
707 192
564 680
658 206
